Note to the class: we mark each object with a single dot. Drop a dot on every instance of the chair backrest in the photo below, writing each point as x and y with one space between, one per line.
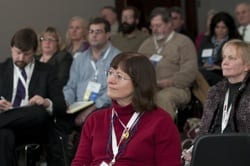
222 150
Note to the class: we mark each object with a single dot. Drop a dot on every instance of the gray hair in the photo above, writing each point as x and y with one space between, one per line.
161 11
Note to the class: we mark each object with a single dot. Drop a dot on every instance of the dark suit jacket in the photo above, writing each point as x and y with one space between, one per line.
43 82
61 61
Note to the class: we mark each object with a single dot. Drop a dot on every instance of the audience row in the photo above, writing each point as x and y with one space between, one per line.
136 81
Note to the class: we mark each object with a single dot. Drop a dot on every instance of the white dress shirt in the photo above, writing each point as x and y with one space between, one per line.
246 37
29 68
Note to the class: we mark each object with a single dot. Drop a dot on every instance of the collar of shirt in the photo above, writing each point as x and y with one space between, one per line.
242 27
103 53
28 69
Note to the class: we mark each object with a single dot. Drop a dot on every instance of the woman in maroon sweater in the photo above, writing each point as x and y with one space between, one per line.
133 132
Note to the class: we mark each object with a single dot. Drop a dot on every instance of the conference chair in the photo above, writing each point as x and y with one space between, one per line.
222 150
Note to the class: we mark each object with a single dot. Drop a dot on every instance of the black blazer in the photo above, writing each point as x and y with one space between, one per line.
61 61
43 82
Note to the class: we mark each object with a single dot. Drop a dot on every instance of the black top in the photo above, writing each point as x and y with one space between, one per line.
61 61
233 91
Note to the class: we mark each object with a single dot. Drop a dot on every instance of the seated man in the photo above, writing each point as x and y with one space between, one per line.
130 38
110 14
29 94
178 20
242 13
88 75
88 70
175 60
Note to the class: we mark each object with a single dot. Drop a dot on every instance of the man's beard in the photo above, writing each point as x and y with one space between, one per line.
126 28
159 36
20 64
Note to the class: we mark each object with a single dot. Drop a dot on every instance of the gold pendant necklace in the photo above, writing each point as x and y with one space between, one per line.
125 134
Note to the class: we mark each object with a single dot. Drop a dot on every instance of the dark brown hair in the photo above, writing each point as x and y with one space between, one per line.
25 39
136 13
100 20
143 77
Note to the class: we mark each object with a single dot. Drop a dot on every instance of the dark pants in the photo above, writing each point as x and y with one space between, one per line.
21 126
58 152
61 147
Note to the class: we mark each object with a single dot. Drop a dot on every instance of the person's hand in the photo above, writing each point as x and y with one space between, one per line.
38 100
211 67
208 66
81 117
217 67
5 105
164 83
187 155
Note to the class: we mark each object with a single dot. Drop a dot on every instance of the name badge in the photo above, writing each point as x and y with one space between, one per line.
206 53
92 90
156 57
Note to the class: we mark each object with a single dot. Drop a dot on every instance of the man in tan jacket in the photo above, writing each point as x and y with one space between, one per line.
175 60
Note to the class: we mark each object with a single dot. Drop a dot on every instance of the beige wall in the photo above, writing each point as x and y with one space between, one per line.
15 14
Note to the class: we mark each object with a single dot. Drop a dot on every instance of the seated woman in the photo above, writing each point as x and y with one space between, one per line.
133 131
227 108
222 29
201 35
52 52
76 36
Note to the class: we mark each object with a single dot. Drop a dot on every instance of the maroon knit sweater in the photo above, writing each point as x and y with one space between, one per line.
155 142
